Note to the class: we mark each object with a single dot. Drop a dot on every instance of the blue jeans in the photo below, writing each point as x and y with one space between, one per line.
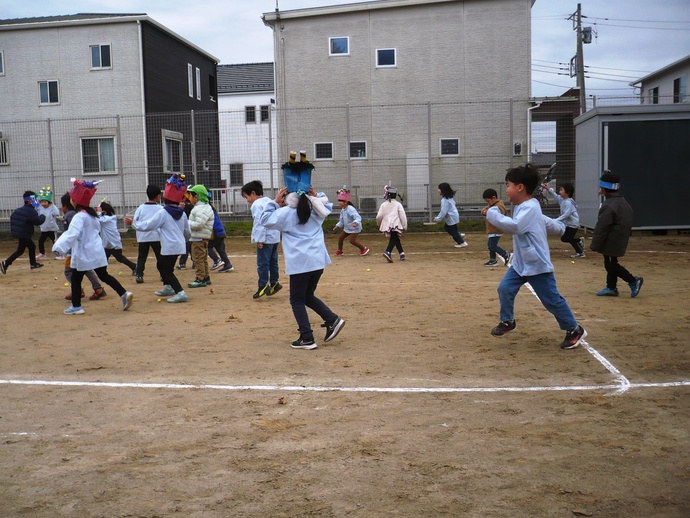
495 249
302 288
267 264
544 285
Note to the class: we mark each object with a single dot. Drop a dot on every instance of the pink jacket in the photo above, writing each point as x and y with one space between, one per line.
391 217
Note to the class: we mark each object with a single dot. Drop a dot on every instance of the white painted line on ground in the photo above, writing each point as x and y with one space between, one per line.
623 382
317 388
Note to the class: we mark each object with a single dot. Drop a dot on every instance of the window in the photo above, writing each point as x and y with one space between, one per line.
2 64
236 174
339 46
265 113
212 87
654 95
190 79
250 114
198 84
358 149
4 153
172 151
100 56
385 58
680 89
450 147
323 151
98 155
48 92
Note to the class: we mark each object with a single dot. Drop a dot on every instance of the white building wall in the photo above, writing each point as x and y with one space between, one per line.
665 84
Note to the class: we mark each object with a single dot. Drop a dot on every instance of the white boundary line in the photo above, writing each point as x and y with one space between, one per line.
623 382
317 388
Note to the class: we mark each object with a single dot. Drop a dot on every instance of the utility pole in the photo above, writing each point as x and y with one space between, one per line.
580 59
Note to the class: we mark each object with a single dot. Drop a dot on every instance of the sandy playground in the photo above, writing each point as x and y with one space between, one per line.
203 409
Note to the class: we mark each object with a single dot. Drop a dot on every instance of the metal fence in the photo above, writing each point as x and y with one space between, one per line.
468 144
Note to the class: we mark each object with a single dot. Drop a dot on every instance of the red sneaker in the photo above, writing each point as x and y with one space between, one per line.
338 252
364 252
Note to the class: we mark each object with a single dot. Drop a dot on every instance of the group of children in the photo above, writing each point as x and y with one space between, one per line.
295 218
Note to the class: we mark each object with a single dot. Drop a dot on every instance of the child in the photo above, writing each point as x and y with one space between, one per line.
299 216
112 242
266 242
392 221
531 261
201 225
611 235
350 222
568 217
82 238
98 291
50 225
494 233
449 213
187 206
22 223
148 240
216 246
174 230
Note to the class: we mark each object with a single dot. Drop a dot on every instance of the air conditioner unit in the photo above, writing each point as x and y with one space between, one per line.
370 203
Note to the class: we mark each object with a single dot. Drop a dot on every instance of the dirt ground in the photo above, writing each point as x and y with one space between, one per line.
203 409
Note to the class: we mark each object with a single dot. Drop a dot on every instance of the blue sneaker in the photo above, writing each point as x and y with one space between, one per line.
74 311
167 291
608 292
179 297
636 286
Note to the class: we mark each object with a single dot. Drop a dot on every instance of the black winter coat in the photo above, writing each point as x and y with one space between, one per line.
612 231
23 220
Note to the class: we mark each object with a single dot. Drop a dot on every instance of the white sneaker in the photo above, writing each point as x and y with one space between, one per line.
461 245
166 291
180 297
41 256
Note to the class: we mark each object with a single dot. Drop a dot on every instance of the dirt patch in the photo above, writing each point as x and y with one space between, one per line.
222 418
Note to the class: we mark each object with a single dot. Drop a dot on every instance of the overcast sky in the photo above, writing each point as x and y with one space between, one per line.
633 37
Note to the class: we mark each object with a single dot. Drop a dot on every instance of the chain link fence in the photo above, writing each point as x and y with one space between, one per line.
414 146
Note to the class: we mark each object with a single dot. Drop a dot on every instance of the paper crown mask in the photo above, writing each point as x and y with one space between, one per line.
344 194
297 175
175 188
83 191
45 194
389 191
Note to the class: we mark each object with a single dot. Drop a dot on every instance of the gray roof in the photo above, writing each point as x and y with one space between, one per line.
663 70
66 18
245 78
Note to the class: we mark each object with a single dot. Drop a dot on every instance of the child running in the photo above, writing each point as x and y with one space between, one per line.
611 235
50 226
98 291
112 242
494 233
350 222
148 240
531 260
22 223
392 221
569 217
266 241
449 213
84 240
300 216
174 230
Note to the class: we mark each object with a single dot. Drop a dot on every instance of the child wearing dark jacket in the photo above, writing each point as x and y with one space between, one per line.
22 223
611 235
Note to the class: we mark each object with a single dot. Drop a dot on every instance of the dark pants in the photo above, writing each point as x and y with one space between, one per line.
569 237
454 233
494 249
45 236
218 245
103 275
302 288
188 251
117 254
394 242
22 245
144 253
615 270
166 267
